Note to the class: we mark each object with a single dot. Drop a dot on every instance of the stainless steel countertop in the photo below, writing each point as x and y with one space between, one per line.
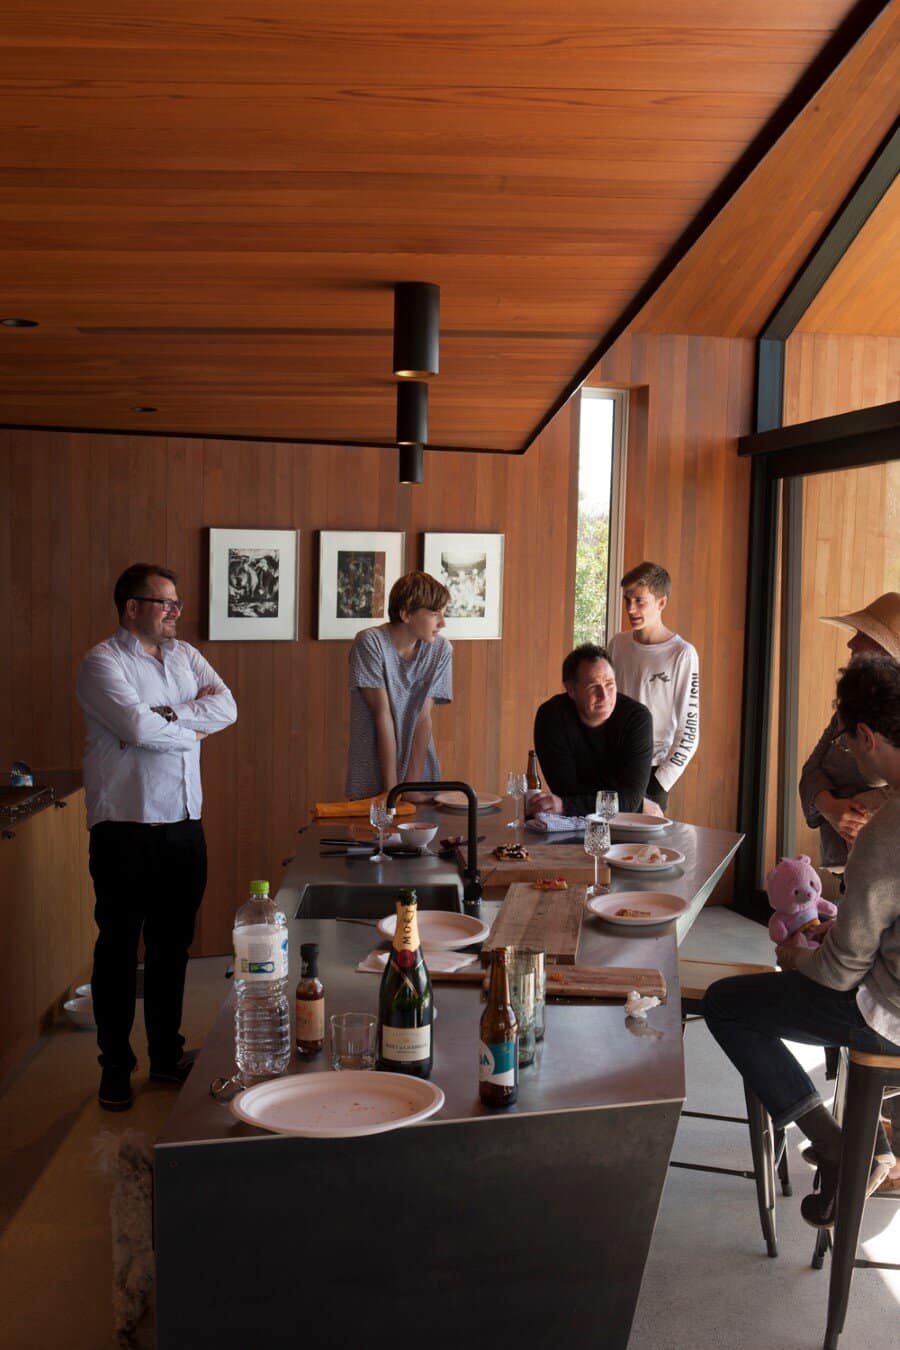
590 1058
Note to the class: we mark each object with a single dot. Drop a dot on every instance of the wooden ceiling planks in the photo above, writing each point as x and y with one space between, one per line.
269 175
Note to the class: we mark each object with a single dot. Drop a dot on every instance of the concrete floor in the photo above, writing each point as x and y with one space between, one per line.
708 1283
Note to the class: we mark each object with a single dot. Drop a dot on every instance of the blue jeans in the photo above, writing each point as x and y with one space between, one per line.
749 1014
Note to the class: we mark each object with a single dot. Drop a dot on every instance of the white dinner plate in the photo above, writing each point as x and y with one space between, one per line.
338 1105
618 856
658 906
440 930
638 822
457 801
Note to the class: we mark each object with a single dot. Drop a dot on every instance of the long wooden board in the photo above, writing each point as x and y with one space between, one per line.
604 982
545 860
549 921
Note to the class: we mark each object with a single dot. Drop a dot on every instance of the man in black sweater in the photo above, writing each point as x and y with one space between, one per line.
591 737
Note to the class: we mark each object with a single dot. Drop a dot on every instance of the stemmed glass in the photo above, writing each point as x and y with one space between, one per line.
516 787
607 804
380 816
596 844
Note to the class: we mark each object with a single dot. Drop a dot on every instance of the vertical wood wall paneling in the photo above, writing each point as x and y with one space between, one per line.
686 507
851 534
80 508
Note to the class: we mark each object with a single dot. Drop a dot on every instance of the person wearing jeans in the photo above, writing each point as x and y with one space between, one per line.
845 992
148 701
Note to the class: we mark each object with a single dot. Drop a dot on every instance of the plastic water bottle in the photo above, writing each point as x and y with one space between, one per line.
262 1028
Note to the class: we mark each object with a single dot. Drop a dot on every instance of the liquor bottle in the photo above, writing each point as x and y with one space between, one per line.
405 1009
498 1070
533 778
310 1003
262 1023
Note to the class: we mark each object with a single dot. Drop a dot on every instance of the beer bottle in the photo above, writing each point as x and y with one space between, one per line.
405 1009
498 1076
310 1003
533 778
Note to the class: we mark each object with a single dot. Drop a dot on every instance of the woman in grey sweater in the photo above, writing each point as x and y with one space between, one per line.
846 991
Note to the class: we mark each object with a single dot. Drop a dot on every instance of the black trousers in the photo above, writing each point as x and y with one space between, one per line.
150 878
656 792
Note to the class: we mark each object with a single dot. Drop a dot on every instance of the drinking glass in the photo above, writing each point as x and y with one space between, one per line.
380 816
521 996
596 843
607 804
353 1037
516 787
530 959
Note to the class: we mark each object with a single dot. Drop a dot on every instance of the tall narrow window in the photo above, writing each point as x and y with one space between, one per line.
601 482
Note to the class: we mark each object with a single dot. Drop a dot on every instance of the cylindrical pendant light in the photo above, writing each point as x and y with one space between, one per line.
411 463
417 322
412 413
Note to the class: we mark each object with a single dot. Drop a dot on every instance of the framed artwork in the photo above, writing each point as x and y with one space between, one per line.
357 569
471 567
252 585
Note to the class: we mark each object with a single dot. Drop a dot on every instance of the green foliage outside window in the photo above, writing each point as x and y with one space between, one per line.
591 576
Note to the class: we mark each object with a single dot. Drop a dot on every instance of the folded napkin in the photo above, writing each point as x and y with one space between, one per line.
445 961
546 823
359 807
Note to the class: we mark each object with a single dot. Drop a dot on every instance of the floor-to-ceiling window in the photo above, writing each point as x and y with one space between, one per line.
601 479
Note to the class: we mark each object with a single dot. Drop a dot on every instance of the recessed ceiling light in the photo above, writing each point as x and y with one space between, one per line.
19 323
144 408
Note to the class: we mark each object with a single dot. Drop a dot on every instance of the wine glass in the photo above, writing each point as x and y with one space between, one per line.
380 816
607 804
596 844
516 787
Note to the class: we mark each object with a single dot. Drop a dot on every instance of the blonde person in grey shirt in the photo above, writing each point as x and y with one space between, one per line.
398 671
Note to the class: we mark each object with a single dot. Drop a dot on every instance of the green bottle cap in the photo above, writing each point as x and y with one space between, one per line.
259 888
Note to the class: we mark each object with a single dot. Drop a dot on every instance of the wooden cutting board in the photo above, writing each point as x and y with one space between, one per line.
548 921
545 860
604 982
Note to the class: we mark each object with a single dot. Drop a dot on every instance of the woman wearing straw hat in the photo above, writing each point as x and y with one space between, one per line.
835 796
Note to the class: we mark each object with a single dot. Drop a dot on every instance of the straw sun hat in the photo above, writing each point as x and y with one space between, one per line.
880 621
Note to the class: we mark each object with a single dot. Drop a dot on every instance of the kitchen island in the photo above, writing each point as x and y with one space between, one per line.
531 1225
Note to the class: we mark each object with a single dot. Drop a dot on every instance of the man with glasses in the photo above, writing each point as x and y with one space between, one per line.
148 701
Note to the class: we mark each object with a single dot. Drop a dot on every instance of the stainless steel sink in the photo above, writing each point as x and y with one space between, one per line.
370 902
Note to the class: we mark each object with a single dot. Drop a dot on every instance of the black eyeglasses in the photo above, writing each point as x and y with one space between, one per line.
170 606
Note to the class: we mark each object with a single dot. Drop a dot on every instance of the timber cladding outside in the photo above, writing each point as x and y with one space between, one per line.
76 509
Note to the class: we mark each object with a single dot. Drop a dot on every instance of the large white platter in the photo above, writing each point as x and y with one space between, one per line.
638 822
440 930
660 905
457 801
338 1105
618 857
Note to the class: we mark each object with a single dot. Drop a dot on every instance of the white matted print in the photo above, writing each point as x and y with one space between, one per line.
471 567
357 569
252 585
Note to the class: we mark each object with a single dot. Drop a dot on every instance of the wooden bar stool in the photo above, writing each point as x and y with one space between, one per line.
767 1145
869 1077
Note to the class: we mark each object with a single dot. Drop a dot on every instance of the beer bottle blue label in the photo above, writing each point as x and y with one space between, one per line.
499 1064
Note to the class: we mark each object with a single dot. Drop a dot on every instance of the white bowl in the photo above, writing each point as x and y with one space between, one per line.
80 1012
417 833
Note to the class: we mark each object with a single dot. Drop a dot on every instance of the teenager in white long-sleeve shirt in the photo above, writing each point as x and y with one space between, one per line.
148 701
661 670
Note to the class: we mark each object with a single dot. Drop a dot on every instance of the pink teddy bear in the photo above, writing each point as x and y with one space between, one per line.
795 893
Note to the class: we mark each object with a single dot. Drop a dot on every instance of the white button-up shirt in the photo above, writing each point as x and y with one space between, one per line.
137 765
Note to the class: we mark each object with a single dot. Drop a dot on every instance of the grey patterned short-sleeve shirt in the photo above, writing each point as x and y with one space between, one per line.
375 663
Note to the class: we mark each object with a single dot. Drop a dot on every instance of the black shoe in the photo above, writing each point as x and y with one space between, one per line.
818 1209
115 1089
176 1073
881 1165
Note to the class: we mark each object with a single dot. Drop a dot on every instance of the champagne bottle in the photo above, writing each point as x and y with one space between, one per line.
310 1003
498 1070
405 1010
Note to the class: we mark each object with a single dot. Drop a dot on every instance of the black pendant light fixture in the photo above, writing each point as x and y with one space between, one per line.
411 457
412 413
417 322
